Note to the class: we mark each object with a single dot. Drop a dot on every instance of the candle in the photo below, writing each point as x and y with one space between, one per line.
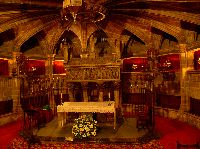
109 95
61 95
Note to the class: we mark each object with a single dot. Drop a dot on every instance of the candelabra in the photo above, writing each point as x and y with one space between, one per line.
61 98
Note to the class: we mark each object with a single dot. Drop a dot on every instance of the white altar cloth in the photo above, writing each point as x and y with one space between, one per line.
95 107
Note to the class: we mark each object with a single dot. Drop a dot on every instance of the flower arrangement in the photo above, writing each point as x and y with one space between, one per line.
84 126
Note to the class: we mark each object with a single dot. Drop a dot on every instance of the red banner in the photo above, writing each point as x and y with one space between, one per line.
4 67
58 67
135 64
169 62
37 67
197 60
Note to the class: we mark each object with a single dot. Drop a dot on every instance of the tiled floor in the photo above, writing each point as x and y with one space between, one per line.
126 131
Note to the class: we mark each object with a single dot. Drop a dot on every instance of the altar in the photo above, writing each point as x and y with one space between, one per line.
94 107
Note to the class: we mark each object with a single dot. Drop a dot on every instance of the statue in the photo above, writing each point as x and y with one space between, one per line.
66 50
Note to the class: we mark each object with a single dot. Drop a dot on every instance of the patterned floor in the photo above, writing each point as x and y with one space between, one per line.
126 132
20 143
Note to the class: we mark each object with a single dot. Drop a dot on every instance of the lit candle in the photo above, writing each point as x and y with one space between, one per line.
61 95
109 95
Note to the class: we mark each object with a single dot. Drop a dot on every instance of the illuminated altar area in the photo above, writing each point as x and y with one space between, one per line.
121 63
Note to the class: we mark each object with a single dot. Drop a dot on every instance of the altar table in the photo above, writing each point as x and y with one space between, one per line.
94 107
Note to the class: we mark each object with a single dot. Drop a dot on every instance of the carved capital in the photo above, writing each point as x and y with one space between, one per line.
100 85
51 57
183 48
70 86
84 85
15 55
116 84
93 73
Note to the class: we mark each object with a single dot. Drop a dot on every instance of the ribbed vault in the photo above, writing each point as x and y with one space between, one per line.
41 20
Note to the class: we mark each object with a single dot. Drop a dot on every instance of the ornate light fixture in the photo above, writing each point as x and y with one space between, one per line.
80 10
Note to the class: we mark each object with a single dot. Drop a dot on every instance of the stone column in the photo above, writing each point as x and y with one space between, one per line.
49 65
115 43
13 64
92 46
49 72
117 48
15 83
101 89
85 87
184 78
116 94
70 91
65 50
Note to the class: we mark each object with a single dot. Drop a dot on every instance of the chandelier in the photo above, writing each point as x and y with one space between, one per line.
80 10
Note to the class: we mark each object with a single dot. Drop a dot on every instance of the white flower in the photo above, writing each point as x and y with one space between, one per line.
84 126
93 133
87 129
91 126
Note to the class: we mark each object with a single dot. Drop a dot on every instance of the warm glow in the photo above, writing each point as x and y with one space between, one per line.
134 66
67 3
78 10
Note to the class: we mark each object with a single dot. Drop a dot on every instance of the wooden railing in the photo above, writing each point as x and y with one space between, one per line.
168 101
134 98
35 101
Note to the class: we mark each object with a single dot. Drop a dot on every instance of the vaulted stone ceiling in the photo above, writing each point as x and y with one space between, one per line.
37 27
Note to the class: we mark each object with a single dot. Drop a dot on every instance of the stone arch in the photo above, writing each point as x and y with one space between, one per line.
69 41
36 27
171 30
101 45
140 33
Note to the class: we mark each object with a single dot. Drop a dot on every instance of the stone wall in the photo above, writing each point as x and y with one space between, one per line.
194 85
10 89
179 115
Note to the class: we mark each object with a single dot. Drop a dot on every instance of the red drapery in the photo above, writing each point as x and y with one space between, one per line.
4 67
36 66
196 58
137 64
58 67
140 64
174 59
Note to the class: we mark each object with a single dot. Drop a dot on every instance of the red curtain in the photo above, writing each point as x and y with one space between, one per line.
140 64
196 58
58 67
4 67
173 58
36 66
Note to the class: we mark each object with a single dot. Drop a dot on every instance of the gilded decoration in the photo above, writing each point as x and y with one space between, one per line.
100 60
102 72
105 68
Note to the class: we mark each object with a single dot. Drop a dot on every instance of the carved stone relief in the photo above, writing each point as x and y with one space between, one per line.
93 73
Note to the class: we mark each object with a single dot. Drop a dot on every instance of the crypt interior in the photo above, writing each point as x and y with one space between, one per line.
141 58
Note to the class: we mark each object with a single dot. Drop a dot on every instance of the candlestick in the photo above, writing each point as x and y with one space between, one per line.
109 96
61 95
